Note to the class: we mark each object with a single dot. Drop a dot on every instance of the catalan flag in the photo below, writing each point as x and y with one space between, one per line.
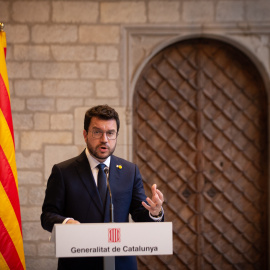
11 242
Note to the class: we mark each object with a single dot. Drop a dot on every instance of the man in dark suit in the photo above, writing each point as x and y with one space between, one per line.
73 192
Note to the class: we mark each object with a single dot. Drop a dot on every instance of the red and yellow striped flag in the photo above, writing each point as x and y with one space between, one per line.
11 242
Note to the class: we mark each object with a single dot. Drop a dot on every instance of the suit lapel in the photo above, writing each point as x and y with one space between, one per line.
87 178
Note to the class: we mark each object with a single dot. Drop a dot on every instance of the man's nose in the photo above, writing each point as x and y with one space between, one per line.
104 137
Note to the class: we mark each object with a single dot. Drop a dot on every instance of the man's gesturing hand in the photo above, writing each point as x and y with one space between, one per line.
155 204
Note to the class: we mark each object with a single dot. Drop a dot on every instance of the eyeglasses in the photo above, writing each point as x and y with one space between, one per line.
111 134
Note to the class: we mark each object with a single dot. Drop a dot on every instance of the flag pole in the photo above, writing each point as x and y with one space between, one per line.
1 27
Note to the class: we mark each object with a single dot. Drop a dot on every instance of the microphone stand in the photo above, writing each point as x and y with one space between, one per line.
106 170
109 262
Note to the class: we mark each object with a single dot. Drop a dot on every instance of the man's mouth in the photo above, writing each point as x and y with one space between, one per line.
103 148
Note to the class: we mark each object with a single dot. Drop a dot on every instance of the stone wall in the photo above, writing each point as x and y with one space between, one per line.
66 56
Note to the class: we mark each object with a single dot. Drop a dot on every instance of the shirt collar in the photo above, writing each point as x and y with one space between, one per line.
93 162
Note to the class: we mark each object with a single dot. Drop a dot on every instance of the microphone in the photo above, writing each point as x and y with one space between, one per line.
106 170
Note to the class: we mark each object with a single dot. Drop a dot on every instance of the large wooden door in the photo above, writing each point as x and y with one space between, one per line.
200 134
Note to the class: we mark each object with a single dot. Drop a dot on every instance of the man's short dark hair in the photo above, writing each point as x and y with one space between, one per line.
103 112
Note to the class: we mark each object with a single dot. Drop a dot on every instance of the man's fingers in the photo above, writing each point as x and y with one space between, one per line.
154 189
157 192
160 195
146 206
150 202
154 204
157 198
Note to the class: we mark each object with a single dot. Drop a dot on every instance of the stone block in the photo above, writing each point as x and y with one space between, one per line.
123 12
4 11
62 121
46 250
41 263
41 104
164 11
29 178
30 213
18 70
54 70
32 231
36 196
17 140
106 89
229 11
93 70
257 11
66 104
54 154
96 34
23 195
17 104
73 53
33 140
68 88
54 34
107 53
41 121
198 11
111 101
122 137
30 249
22 121
31 11
31 53
79 114
27 88
11 88
121 151
17 33
113 71
30 161
75 11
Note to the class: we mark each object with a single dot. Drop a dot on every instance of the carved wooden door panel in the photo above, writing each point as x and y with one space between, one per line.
200 134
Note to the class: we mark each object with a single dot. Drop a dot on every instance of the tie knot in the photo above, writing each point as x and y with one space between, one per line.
101 166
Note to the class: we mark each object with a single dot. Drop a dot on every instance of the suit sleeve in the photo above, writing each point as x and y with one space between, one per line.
53 206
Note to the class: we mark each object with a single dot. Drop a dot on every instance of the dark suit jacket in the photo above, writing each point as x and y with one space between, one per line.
72 192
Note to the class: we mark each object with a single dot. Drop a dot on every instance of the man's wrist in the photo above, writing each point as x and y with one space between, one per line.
158 215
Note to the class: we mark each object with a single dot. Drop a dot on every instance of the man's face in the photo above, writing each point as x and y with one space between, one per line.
100 148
